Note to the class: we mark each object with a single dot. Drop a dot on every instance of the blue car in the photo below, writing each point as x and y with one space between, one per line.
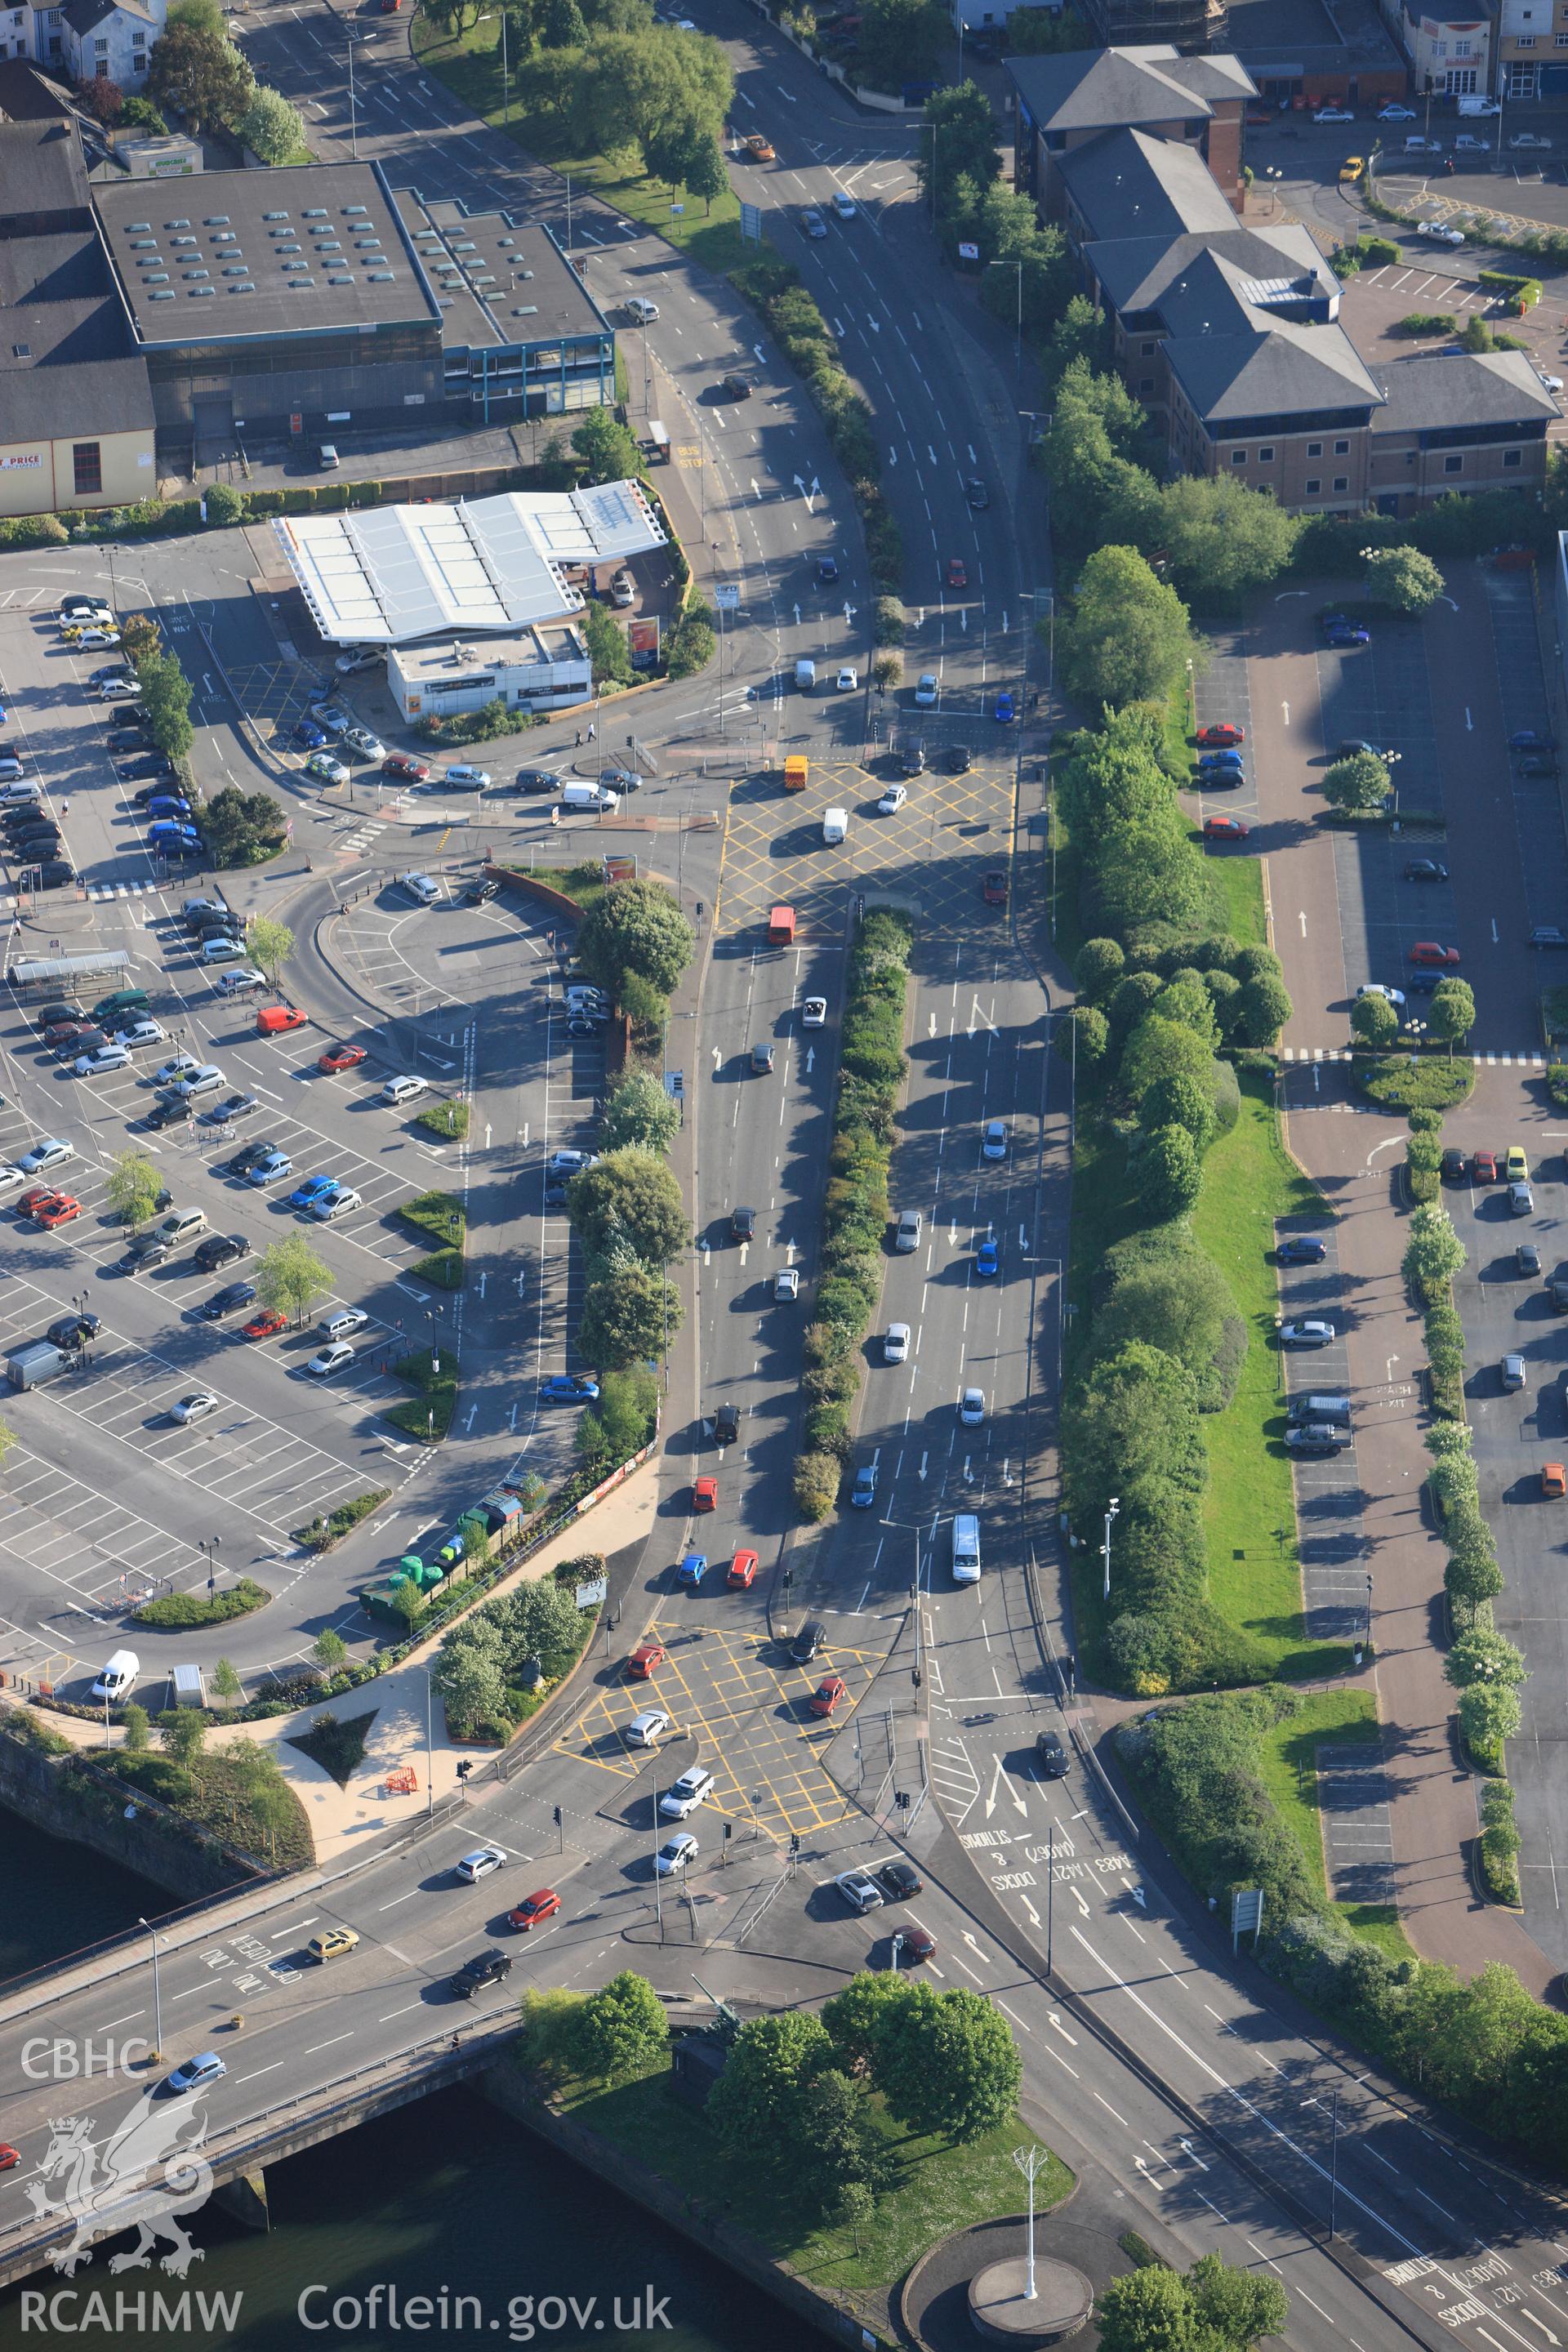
312 737
1524 738
313 1189
988 1258
168 805
692 1569
864 1493
1342 631
1301 1249
1213 760
566 1388
1007 709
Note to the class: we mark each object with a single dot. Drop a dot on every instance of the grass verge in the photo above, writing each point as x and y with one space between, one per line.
322 1534
470 66
1255 1571
936 2188
448 1119
1235 887
181 1610
428 1412
1339 1718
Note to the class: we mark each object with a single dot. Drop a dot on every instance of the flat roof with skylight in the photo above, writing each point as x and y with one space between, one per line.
307 249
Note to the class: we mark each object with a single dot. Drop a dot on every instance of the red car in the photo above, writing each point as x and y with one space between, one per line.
263 1326
415 771
535 1908
1222 737
826 1695
1483 1167
9 2158
957 573
1224 828
1428 951
742 1572
66 1033
57 1209
341 1057
34 1198
644 1661
918 1943
705 1494
993 890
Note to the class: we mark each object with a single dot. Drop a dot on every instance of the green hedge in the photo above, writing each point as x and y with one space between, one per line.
1396 1082
182 1610
322 1534
448 1119
1511 287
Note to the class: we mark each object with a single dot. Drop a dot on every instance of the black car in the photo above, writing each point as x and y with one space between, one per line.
912 762
48 1015
977 494
70 1330
1526 1259
148 1249
827 567
485 1969
54 872
126 739
1537 763
735 387
537 780
1424 983
726 1425
1315 1437
227 1301
1425 869
251 1156
1557 1290
171 1112
744 1224
481 893
1050 1756
148 764
898 1882
218 926
811 1638
960 760
218 1249
1453 1165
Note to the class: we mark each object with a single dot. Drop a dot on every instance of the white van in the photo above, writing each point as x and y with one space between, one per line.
835 826
806 676
118 1680
189 1688
589 796
641 311
1474 106
966 1550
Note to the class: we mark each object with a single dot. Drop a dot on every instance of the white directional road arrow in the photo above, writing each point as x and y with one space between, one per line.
810 1059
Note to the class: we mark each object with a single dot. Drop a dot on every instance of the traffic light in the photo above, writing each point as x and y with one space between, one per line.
465 1766
794 1842
558 1817
729 1831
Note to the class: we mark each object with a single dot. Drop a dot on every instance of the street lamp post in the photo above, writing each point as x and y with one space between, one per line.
1112 1510
353 107
1028 2161
157 1991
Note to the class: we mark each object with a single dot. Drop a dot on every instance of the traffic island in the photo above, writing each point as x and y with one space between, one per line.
970 2289
1027 2301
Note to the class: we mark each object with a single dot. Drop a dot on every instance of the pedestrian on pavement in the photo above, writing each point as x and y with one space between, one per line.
592 732
579 744
64 805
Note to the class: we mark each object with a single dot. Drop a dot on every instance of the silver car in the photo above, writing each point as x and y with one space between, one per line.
909 1234
859 1890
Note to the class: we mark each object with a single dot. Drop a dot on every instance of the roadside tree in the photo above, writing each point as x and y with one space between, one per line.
608 450
951 2067
1126 638
635 927
627 1318
1453 1015
290 1277
1433 1253
1484 1655
1375 1023
1404 578
225 1682
631 1199
269 126
134 1188
269 943
620 2030
1170 1174
857 2019
200 72
1358 784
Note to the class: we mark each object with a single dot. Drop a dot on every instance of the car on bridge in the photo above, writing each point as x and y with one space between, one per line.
197 2073
533 1910
479 1863
334 1945
485 1969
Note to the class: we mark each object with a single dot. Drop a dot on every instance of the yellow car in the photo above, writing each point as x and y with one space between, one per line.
335 1940
1352 167
1517 1172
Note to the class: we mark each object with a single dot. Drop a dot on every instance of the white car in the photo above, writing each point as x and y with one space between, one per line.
362 743
1483 106
104 1057
814 1013
91 640
1526 141
1419 144
184 1065
479 1863
1552 382
859 1890
927 691
848 679
1467 143
786 1282
364 657
571 1164
118 689
843 206
1440 233
1376 987
194 1407
1333 114
49 1151
331 1360
420 888
402 1090
468 780
1396 114
641 311
892 800
647 1729
10 1178
675 1853
993 1140
896 1344
685 1794
335 1204
972 1408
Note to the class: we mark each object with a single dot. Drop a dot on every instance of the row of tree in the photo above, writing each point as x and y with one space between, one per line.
196 67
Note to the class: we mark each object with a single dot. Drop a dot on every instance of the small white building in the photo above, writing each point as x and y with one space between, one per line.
114 37
542 668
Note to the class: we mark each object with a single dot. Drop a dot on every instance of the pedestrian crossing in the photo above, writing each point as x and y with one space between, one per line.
99 892
358 844
1482 1061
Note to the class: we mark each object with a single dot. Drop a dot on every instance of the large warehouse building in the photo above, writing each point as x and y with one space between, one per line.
145 323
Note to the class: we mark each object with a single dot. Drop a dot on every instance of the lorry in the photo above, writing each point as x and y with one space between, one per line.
37 1359
781 927
795 770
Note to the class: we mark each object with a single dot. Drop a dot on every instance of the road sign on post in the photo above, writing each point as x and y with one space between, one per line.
1246 1914
751 224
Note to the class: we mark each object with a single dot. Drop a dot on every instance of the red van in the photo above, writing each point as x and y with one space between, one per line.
277 1020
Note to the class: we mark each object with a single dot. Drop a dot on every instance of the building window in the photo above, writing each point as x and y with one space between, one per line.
1314 486
1145 383
1341 481
101 48
1453 464
1525 41
1563 40
1314 448
88 460
1439 48
1146 350
1238 457
1513 456
1341 448
1266 456
1462 50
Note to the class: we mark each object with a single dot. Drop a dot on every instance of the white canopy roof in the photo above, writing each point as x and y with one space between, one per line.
392 575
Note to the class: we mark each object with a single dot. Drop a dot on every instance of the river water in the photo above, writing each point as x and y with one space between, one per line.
446 2199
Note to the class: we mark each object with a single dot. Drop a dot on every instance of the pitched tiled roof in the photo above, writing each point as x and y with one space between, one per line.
1127 184
1460 388
1273 368
1105 89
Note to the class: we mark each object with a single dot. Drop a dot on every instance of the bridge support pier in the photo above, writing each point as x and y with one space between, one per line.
244 2197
